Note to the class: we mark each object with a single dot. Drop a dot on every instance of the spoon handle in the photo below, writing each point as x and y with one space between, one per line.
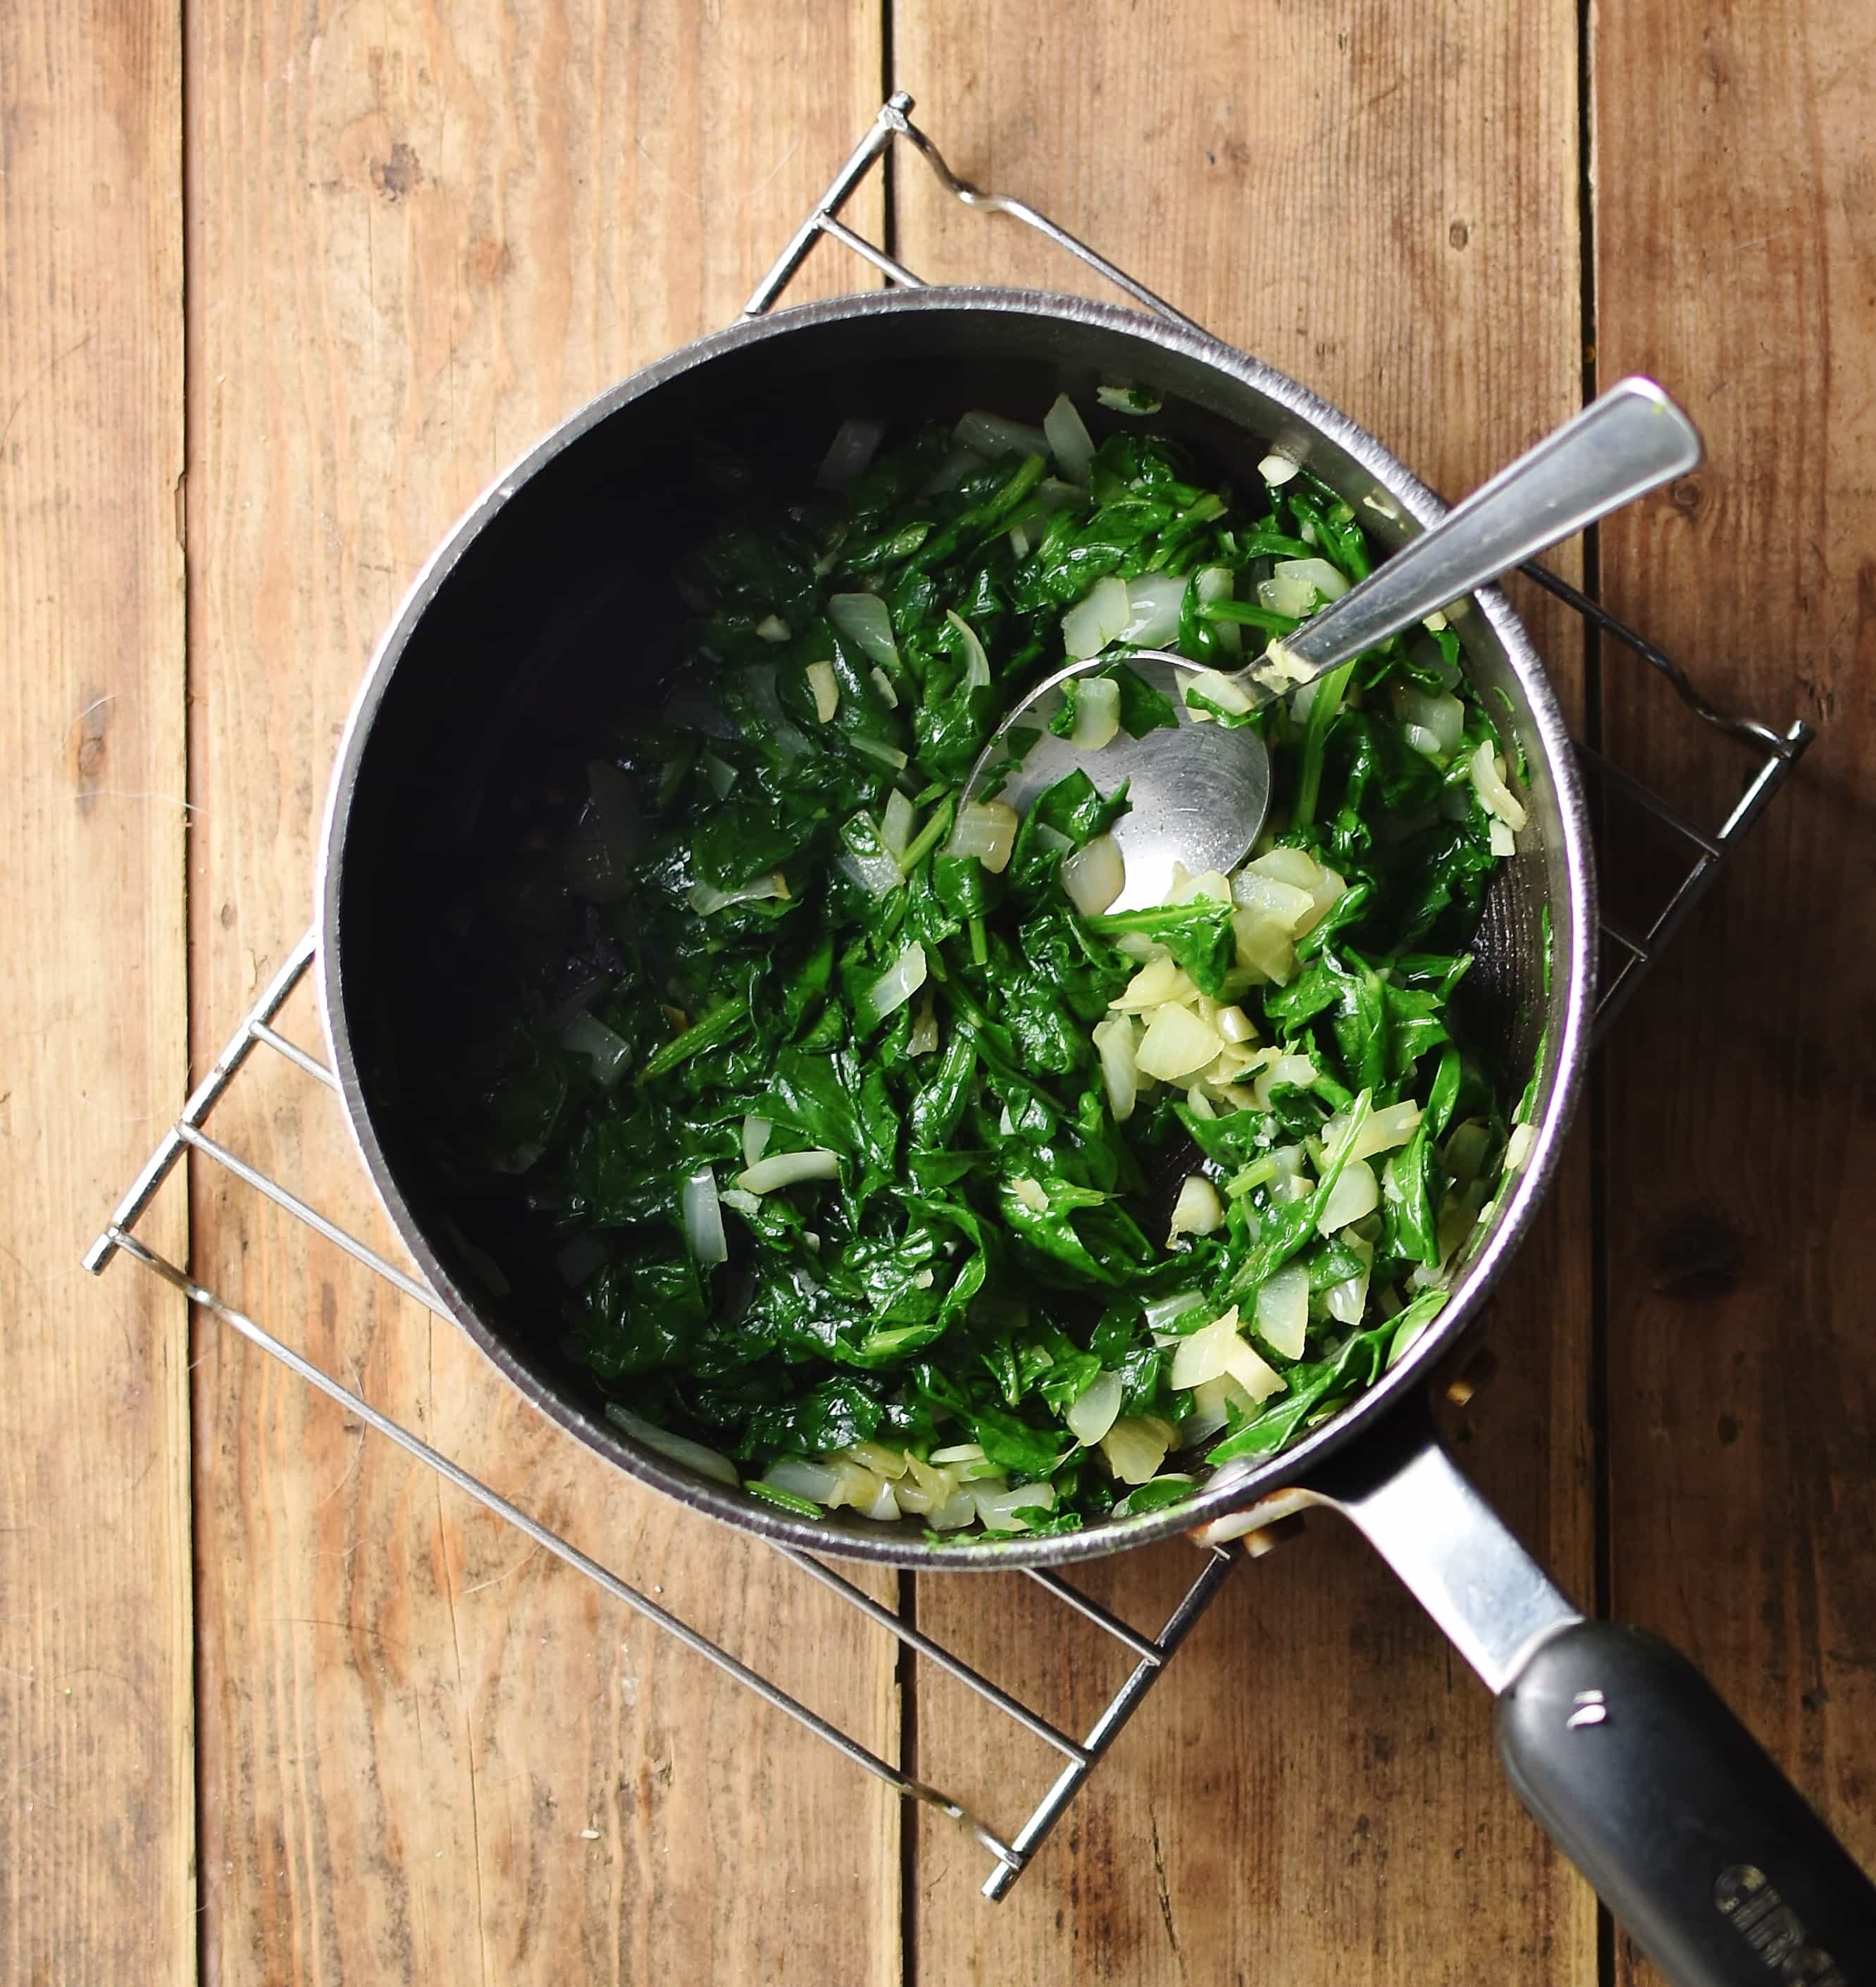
1626 443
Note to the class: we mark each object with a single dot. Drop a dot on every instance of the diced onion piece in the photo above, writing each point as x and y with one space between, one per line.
976 663
756 1132
1198 1210
703 1217
1275 468
1220 691
1421 740
866 621
986 829
1136 1446
788 1169
744 1203
1154 602
1198 1103
885 1506
1219 582
1264 944
1283 1310
1346 1300
1394 1124
1127 400
993 435
1285 594
1097 714
707 898
1357 1193
1234 1024
850 452
896 986
1442 715
721 775
1095 1408
1094 875
1205 1354
1298 1071
1068 440
1329 582
1158 981
1286 904
1488 782
957 1510
1295 866
882 683
998 1507
1434 622
1030 1193
1255 1374
1089 626
1184 888
677 1448
609 1053
875 748
819 1483
1499 837
867 859
1517 1147
1163 1312
824 687
895 826
1177 1042
773 628
924 1036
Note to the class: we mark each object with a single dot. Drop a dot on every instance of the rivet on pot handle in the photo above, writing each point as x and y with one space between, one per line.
1623 1752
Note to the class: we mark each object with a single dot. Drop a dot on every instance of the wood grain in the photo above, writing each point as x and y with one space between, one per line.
1393 219
419 236
97 1810
1736 260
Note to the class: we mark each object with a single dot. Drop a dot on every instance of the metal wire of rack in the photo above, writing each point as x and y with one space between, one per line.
1629 953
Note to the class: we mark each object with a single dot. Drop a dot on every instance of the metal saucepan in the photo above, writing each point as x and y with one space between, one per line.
510 643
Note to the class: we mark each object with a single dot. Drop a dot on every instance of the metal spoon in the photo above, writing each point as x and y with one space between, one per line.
1199 793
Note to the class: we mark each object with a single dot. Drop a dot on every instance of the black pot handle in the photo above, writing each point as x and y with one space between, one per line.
1618 1746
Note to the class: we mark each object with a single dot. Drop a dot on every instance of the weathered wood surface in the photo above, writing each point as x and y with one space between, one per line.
1736 259
419 239
1393 219
97 1820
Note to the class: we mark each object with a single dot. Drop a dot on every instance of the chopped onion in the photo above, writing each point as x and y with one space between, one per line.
1501 839
1220 691
896 986
1097 714
1198 1103
1177 1042
824 687
1394 1124
976 663
677 1448
703 1217
789 1168
1163 1312
1421 740
998 1507
1442 716
1095 1408
1234 1024
866 858
1030 1193
1517 1147
1158 981
959 463
1089 627
993 435
1286 594
609 1053
721 775
1154 602
957 1511
1283 1310
986 829
1206 1354
705 897
1068 440
756 1133
1316 572
1127 400
1346 1300
1094 875
1357 1193
1113 1039
1219 582
1263 943
884 1505
882 683
816 1482
850 452
1136 1446
745 1204
1488 782
773 628
1275 468
1184 887
887 755
1295 866
895 827
1298 1071
866 621
924 1036
1198 1210
1255 1374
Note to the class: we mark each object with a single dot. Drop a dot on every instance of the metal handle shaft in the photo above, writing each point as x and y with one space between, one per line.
1627 442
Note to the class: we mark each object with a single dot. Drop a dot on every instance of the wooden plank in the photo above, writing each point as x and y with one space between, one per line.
420 237
96 1807
1734 261
1393 219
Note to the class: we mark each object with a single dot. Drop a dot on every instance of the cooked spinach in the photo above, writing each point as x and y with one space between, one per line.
836 1122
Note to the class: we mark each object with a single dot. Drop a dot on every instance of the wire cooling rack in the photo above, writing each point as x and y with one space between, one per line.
1628 950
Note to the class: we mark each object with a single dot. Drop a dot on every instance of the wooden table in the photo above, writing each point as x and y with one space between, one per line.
282 286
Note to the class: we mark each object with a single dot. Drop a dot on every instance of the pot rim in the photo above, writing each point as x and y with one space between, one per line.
881 1544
